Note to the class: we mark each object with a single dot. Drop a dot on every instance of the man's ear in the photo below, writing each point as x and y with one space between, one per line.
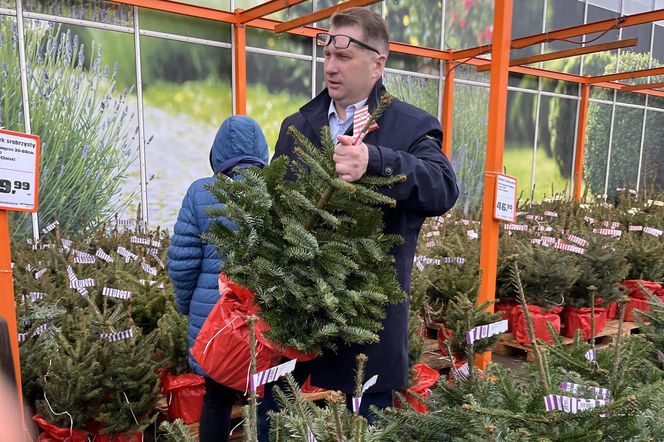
379 66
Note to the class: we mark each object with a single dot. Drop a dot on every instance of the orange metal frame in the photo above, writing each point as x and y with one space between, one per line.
580 150
448 108
502 28
321 15
638 87
569 53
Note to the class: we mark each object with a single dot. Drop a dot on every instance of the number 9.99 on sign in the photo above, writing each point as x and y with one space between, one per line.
7 186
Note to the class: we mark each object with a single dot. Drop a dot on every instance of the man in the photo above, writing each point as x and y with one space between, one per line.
408 141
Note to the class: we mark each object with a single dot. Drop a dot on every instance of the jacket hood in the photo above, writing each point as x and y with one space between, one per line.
239 142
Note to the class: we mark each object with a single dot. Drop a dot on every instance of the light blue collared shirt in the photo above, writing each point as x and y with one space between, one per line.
338 127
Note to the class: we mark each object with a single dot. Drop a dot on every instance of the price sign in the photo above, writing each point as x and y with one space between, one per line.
505 202
19 171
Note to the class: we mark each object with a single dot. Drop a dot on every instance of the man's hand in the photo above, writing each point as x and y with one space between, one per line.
351 160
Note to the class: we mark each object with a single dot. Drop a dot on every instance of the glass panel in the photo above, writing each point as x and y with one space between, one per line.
560 87
642 32
262 38
415 22
93 10
420 92
468 23
273 97
597 146
320 77
187 95
658 44
625 149
555 146
468 72
87 125
519 138
563 14
632 61
414 64
286 14
152 20
522 81
469 122
652 165
7 4
602 62
322 4
527 18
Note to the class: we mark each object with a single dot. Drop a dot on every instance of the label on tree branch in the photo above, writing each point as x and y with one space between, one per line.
128 256
367 385
148 268
116 293
517 227
50 227
271 374
551 214
83 258
577 240
113 337
66 244
40 273
572 405
589 220
310 435
651 231
608 232
600 393
151 283
461 373
103 255
486 331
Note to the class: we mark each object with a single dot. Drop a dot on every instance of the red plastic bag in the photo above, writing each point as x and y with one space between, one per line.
425 378
506 307
53 433
636 288
442 335
579 318
612 311
635 303
119 437
308 388
540 318
222 347
184 395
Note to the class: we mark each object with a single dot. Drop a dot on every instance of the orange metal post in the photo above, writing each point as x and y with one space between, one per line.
448 108
581 141
240 51
7 307
502 25
320 15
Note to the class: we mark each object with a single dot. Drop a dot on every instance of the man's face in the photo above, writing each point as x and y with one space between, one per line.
351 73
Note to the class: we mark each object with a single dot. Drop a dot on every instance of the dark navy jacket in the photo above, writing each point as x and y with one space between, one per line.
407 142
193 265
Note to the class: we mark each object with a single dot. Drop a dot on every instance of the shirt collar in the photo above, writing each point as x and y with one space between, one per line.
349 110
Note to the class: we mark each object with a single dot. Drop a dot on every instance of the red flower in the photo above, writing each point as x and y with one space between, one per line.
467 4
454 17
462 23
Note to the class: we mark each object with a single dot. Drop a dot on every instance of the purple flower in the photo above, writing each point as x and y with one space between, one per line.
81 55
86 150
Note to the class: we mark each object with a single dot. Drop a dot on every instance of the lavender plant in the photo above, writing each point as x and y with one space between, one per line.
83 122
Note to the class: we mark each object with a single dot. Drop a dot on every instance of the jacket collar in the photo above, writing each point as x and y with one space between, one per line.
315 111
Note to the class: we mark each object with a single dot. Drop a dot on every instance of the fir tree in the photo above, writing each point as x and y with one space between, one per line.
312 251
602 267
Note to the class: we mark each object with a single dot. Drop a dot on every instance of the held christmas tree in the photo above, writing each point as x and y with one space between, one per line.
312 251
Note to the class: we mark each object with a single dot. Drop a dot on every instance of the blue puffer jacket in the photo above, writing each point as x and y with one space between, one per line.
193 265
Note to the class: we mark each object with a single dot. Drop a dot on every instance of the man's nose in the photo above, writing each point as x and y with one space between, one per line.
329 66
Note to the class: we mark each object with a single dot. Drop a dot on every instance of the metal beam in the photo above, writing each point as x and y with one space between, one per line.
569 53
321 15
627 75
448 109
640 87
266 8
240 68
182 9
580 151
502 25
566 33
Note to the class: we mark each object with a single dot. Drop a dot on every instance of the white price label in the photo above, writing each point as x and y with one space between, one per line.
19 171
505 202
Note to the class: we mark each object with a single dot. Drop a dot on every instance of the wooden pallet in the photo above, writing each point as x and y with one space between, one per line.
508 346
